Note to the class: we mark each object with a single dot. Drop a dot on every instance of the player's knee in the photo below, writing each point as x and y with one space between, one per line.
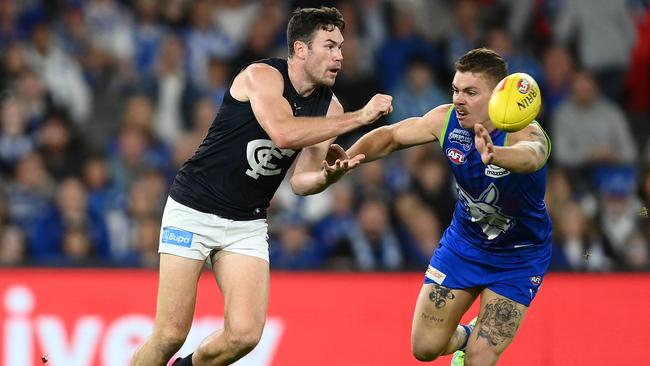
425 351
243 343
244 339
171 340
171 336
480 356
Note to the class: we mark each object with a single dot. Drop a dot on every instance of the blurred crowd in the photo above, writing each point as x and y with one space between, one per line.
103 100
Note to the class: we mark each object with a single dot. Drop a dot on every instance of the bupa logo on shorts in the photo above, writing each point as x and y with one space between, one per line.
462 137
456 156
435 275
175 236
536 280
494 171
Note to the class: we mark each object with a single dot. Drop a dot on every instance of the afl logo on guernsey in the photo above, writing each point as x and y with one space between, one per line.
536 280
456 156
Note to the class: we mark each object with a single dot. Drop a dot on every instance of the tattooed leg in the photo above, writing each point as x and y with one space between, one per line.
435 321
439 296
498 322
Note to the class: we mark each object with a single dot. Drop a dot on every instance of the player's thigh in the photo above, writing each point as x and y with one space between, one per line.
177 293
244 283
438 311
498 321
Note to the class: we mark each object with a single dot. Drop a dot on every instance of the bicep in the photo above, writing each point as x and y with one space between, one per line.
264 87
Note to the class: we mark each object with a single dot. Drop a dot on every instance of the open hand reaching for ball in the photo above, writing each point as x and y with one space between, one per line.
483 143
338 163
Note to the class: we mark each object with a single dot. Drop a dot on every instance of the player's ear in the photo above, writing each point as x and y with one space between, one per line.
300 49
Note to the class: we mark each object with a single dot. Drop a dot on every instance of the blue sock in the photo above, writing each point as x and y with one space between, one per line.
185 361
468 330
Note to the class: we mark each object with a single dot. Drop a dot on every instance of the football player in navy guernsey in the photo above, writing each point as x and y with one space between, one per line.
498 244
275 111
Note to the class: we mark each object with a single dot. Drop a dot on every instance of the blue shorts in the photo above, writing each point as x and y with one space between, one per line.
451 270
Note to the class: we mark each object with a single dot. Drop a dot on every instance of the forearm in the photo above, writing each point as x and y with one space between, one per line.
520 158
307 183
299 132
374 145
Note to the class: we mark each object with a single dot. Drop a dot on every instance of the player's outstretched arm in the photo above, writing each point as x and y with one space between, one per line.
527 152
321 165
409 132
263 86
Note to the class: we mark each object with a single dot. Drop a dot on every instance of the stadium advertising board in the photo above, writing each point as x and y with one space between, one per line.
99 317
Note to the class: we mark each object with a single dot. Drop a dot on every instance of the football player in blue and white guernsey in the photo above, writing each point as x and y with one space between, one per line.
498 244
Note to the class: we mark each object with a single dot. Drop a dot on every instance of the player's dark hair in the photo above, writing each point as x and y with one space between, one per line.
305 22
484 61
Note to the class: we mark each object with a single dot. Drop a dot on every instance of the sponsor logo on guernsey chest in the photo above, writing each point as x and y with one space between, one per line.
494 171
456 156
462 137
264 158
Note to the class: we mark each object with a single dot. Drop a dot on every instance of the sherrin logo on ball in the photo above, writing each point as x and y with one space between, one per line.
515 102
523 86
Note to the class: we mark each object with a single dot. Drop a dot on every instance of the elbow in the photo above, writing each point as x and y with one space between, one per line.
281 139
284 141
296 188
299 192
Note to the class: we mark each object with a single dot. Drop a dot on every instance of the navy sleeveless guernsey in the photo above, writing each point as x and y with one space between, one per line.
237 168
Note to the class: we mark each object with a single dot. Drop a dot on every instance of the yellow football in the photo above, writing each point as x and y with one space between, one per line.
515 102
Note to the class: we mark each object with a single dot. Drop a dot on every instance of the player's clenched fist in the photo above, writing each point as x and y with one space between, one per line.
379 105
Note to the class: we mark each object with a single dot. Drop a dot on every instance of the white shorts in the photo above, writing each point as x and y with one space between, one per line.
193 234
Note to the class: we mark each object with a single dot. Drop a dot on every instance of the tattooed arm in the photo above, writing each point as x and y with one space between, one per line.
526 152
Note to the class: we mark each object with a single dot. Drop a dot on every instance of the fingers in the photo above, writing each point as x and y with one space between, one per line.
484 143
337 148
379 105
343 165
385 103
481 132
337 151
